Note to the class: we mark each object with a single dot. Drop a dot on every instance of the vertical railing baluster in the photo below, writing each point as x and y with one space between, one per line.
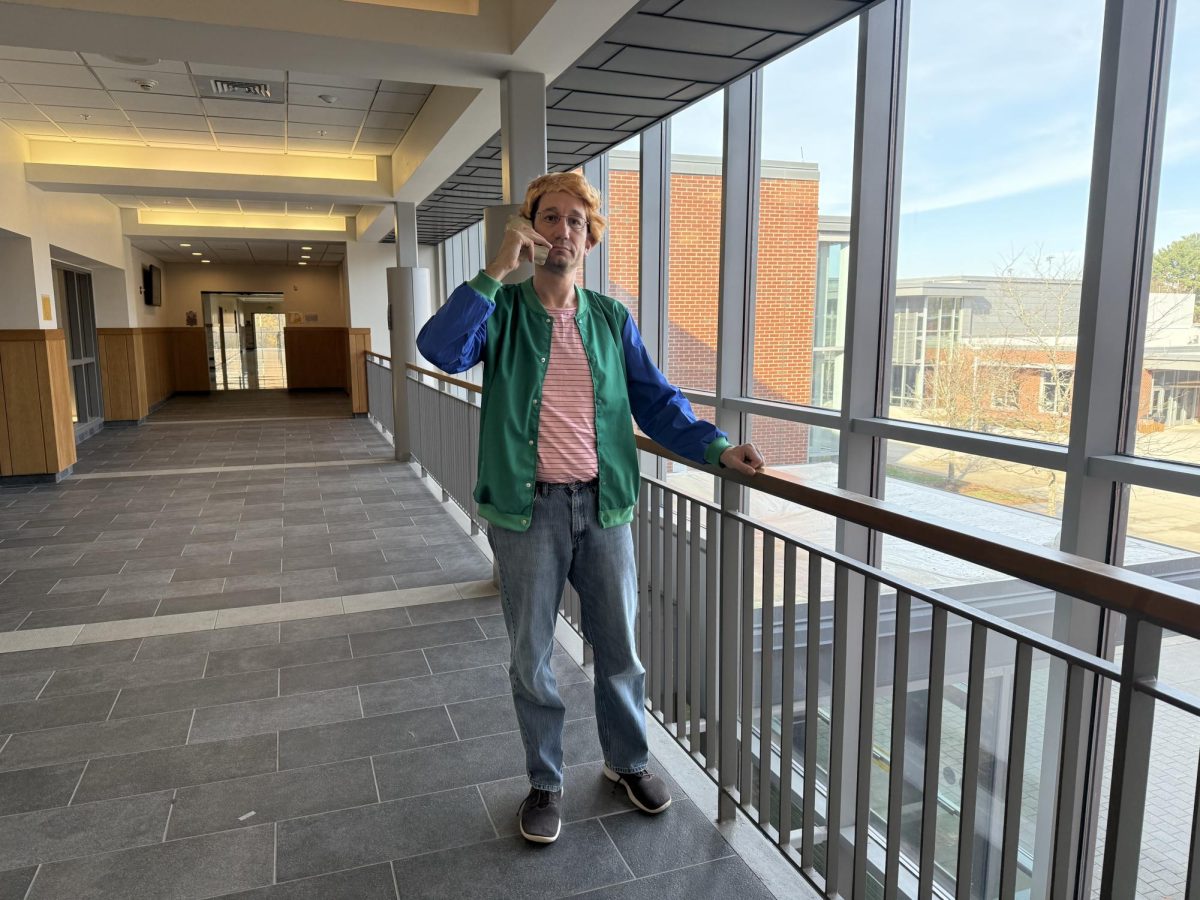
746 702
696 589
653 660
682 619
812 698
1192 884
1014 784
729 599
766 679
712 614
971 754
666 648
933 742
900 649
787 695
1068 789
866 736
837 731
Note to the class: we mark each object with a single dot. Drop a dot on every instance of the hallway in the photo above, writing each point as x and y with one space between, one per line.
279 659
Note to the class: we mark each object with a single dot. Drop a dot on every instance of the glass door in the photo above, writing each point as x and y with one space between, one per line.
77 316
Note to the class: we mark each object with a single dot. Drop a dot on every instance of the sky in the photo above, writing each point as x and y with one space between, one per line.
1001 100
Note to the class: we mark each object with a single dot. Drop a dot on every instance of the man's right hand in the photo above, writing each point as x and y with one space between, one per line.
519 241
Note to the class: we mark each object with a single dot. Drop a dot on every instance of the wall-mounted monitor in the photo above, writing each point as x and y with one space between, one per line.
152 285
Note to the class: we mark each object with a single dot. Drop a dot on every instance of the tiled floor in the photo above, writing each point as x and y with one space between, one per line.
365 748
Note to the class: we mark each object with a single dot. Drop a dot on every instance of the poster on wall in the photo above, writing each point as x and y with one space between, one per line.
295 318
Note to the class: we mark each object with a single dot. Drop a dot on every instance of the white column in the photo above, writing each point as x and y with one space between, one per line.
408 299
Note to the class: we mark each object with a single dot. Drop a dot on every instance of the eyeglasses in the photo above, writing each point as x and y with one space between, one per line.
575 223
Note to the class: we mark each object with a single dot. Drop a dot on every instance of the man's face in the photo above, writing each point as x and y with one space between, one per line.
556 213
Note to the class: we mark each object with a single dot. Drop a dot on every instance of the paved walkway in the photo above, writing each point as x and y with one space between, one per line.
281 672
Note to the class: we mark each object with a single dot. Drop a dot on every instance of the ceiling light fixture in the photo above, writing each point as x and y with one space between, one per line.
133 60
196 252
146 84
185 245
306 248
206 260
302 264
305 256
328 98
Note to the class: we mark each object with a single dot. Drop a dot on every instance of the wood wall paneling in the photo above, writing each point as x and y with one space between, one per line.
116 373
39 437
317 357
57 404
360 343
190 359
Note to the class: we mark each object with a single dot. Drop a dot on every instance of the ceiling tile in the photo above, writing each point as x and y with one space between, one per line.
574 119
599 81
339 148
177 136
246 126
405 87
399 121
380 136
32 129
308 208
9 94
31 54
672 34
245 109
327 115
347 98
672 64
322 132
101 61
124 201
75 115
21 72
64 96
164 103
374 149
168 120
241 73
634 106
109 132
334 81
19 111
216 205
399 103
774 15
167 204
127 80
273 207
250 141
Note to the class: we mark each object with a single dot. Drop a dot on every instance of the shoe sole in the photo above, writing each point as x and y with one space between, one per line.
616 779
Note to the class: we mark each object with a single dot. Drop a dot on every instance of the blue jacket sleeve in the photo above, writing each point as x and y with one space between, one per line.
661 410
454 337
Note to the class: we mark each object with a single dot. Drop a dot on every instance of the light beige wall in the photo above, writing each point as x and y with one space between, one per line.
310 291
366 268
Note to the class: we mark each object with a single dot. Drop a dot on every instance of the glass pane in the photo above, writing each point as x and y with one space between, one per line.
804 222
997 162
811 454
692 481
695 243
624 228
1169 396
1163 534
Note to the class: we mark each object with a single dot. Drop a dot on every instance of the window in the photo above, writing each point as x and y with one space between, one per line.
1055 396
624 226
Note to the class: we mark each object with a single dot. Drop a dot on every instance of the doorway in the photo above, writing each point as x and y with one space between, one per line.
245 339
77 317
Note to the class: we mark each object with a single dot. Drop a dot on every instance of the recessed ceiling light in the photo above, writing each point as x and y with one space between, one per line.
306 248
185 245
206 260
133 60
196 252
302 264
305 256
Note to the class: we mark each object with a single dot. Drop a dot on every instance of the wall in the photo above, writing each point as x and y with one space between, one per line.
365 277
309 290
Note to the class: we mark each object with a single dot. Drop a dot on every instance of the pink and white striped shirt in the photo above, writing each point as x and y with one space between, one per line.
567 429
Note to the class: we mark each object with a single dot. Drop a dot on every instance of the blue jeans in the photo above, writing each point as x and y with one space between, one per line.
565 541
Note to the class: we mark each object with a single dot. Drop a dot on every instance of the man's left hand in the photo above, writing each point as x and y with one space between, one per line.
743 458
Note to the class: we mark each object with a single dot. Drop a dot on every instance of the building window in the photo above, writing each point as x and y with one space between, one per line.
1055 395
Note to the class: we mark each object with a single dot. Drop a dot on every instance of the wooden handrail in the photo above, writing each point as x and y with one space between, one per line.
377 355
441 376
1111 587
1121 590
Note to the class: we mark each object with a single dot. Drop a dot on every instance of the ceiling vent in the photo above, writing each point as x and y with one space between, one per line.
237 89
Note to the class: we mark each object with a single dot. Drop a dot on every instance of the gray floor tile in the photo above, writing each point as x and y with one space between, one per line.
176 870
727 877
224 600
261 716
493 626
367 883
433 690
200 692
283 580
53 712
368 834
206 641
308 629
448 766
341 673
340 588
476 718
124 675
274 656
248 567
468 656
14 884
9 621
245 802
454 609
16 688
41 788
82 615
165 591
79 742
415 636
583 858
67 657
364 737
49 834
156 770
679 836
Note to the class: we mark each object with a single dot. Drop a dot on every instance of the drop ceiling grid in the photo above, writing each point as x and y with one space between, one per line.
42 92
248 252
235 205
660 57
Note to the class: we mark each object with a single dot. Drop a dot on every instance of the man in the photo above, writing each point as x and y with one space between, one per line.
558 475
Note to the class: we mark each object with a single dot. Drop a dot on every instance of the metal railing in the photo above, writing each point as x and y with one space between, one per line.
890 739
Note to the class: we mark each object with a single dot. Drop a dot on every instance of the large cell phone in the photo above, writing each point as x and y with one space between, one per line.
539 252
